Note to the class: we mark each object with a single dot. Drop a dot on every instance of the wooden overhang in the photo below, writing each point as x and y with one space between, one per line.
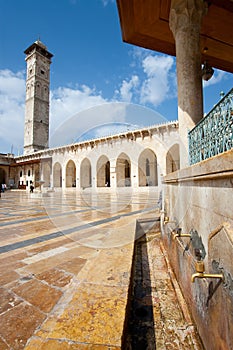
145 23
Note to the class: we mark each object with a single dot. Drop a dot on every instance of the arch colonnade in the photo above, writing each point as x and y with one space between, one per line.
132 159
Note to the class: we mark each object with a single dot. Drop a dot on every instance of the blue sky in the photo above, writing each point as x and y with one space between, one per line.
91 67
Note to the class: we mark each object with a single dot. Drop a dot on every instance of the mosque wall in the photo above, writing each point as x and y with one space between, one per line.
198 202
125 155
132 159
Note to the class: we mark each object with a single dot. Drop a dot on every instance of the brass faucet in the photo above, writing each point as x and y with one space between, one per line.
177 233
166 220
200 268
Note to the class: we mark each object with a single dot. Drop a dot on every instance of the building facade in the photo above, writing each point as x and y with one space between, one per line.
133 159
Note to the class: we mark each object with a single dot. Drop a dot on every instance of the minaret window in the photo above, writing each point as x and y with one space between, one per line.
37 92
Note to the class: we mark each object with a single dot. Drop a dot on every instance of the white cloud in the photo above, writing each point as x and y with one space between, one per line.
12 84
154 81
158 80
65 102
86 119
12 102
106 2
127 89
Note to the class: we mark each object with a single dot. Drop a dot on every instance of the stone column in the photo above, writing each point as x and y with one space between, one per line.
185 23
63 185
160 175
113 182
134 175
93 175
51 178
77 175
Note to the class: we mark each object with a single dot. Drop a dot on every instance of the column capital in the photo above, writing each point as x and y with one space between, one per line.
186 15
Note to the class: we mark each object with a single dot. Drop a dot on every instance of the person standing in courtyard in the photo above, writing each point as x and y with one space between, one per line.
31 188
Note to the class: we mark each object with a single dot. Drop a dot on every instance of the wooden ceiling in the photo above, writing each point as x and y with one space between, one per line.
145 23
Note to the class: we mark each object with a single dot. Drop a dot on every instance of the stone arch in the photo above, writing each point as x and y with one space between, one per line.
173 159
38 88
103 172
85 173
42 71
28 91
147 168
57 175
32 89
30 70
123 170
20 176
27 175
46 174
37 172
70 174
45 92
2 176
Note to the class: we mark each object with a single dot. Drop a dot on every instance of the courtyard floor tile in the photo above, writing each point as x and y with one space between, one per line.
66 268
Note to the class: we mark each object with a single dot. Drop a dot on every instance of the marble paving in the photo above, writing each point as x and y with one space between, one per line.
65 271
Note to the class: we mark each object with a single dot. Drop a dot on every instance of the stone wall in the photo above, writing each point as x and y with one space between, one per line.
198 200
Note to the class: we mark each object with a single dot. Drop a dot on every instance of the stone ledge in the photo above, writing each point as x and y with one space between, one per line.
219 166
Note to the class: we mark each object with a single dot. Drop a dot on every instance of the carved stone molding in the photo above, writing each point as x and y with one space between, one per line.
186 15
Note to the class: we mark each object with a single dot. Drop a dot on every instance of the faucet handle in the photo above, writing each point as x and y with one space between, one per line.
200 267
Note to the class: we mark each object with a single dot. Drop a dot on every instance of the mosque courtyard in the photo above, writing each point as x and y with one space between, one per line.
87 270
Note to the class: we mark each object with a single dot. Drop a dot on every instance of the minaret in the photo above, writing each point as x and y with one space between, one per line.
36 127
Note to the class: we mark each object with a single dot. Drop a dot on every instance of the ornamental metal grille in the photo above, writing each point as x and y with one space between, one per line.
214 133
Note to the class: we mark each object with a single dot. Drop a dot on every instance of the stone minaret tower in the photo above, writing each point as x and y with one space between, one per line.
36 128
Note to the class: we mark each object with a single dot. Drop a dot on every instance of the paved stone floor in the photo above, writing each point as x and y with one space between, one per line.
65 272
